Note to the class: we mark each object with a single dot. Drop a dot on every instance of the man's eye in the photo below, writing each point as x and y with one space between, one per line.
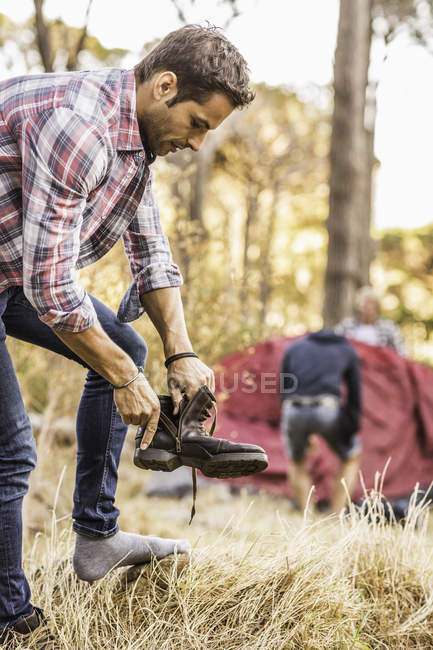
195 124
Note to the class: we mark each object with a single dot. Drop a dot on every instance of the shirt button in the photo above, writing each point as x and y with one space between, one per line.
141 154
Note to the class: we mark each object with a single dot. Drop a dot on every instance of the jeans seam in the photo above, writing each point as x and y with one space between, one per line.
105 472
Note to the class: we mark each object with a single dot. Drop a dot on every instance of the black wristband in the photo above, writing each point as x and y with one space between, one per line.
181 355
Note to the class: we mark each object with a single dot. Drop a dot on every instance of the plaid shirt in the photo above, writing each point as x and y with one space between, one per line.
388 333
74 178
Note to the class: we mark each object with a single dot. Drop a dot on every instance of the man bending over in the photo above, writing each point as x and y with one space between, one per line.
76 151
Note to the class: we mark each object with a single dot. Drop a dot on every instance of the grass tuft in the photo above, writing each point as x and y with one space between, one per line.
267 582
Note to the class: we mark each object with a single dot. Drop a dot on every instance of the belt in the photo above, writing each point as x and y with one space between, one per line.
314 400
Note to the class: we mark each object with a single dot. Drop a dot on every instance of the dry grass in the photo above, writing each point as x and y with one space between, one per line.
259 576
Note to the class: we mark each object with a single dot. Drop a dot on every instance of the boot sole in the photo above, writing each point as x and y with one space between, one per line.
231 465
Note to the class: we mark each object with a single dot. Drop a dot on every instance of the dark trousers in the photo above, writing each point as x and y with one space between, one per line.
100 437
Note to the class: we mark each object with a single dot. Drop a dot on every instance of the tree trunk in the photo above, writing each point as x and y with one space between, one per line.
251 219
366 248
72 62
266 262
43 37
350 162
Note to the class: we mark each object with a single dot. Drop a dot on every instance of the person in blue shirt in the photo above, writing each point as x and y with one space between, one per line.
314 370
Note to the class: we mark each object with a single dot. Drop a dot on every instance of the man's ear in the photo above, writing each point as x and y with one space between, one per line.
164 86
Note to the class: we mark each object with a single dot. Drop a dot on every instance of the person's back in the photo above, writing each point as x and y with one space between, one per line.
313 371
319 362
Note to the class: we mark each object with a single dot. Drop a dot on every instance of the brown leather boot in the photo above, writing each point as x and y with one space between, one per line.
31 631
183 440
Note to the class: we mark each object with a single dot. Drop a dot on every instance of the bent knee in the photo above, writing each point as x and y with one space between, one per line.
17 444
15 471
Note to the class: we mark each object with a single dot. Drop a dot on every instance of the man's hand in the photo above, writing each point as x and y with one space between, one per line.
185 377
139 404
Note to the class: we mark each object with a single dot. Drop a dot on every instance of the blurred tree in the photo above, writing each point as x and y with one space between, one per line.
181 10
257 267
362 25
43 37
53 45
191 173
349 216
279 142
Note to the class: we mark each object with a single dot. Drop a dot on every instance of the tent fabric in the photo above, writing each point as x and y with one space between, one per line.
396 423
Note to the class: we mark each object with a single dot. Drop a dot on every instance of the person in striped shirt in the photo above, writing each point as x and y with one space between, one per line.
368 327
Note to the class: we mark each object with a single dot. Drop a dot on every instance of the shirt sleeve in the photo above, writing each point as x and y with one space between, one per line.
63 159
149 255
395 339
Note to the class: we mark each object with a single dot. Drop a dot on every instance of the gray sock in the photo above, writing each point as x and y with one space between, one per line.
94 557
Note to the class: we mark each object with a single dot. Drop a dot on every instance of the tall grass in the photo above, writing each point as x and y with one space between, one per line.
260 577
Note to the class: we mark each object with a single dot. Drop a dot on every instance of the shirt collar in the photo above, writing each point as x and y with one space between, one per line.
129 133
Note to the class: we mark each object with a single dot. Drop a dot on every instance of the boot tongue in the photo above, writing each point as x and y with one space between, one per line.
167 407
196 411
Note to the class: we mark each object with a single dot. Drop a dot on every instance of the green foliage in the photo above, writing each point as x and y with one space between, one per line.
255 262
402 272
254 254
262 256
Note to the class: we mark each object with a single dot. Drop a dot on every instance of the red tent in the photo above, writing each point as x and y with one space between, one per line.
397 419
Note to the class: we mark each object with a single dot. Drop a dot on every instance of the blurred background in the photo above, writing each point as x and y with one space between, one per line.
323 185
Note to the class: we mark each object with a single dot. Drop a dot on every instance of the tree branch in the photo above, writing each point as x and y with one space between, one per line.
43 37
235 12
180 13
74 53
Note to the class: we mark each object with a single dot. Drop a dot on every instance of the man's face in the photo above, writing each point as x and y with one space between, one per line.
182 125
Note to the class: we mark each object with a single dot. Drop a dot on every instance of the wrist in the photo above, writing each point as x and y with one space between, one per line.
176 346
129 382
182 355
122 374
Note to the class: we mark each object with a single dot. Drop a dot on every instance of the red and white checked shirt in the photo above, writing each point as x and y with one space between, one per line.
74 178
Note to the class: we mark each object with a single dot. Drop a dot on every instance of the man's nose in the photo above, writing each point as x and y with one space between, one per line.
196 141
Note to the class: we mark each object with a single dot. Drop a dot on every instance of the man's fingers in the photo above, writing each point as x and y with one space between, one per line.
149 432
176 397
186 377
191 390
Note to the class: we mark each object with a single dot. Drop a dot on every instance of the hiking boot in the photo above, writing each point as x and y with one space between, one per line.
31 631
183 440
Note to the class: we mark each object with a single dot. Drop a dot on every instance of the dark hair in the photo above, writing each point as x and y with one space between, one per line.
204 62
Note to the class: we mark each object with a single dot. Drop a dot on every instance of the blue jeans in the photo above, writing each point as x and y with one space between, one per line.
100 437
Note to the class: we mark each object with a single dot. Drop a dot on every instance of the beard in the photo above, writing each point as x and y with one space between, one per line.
153 128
